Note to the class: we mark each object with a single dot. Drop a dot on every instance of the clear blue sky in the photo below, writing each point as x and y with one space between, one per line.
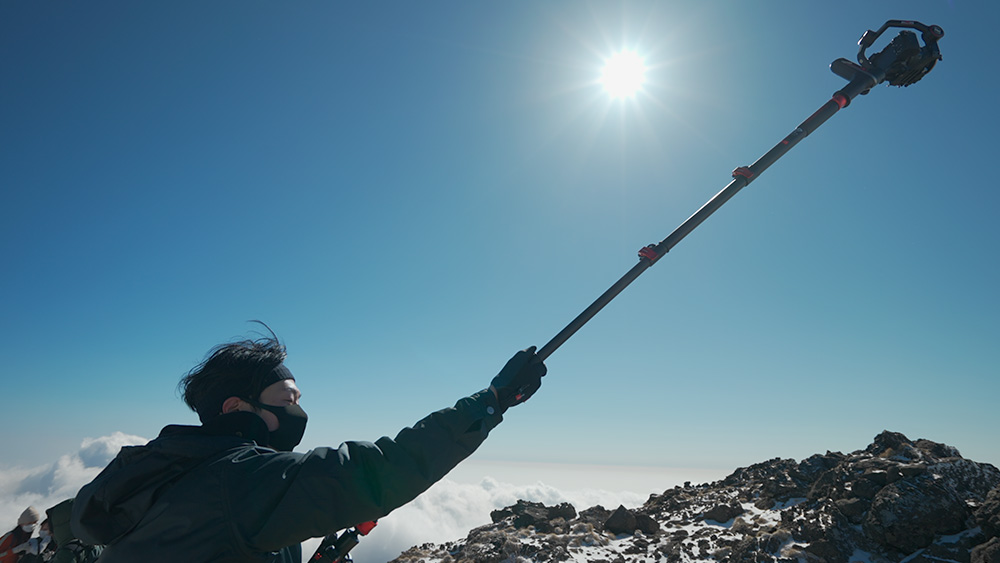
409 192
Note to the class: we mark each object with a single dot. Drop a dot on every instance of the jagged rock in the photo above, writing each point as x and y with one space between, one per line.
826 550
988 515
934 449
893 445
594 516
896 500
906 515
646 524
956 549
865 487
621 522
971 480
772 542
670 502
562 510
988 552
543 518
878 477
809 469
724 512
854 509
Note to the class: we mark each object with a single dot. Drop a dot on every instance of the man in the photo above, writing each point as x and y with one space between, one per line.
232 490
15 542
68 549
39 549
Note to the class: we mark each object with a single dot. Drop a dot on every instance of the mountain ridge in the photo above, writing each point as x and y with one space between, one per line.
895 501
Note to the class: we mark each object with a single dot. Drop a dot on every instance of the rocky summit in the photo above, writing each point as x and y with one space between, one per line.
897 500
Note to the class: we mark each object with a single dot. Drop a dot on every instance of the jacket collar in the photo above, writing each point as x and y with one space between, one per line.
241 424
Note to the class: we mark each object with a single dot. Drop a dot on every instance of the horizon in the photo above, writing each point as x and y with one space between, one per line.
409 195
458 503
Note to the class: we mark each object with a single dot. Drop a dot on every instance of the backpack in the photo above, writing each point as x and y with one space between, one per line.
79 552
69 549
7 545
40 551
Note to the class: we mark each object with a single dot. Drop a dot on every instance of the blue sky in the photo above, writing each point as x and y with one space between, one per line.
408 193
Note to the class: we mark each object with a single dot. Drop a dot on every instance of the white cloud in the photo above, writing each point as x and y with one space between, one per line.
446 512
47 485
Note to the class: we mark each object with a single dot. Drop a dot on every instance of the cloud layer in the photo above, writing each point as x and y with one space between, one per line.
46 486
447 511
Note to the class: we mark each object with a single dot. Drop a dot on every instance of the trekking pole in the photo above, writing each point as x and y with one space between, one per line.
901 63
334 549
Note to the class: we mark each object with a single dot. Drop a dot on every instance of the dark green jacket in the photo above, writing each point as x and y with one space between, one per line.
69 549
211 494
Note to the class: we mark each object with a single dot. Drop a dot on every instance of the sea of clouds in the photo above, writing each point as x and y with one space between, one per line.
445 512
44 487
448 510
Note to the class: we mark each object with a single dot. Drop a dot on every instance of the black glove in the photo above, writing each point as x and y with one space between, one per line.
519 379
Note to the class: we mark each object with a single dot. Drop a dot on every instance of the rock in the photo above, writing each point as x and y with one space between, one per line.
879 477
623 521
595 516
562 510
936 450
854 509
912 470
646 524
543 518
772 542
812 467
865 488
830 484
898 499
988 552
956 549
723 512
988 514
973 481
826 550
907 515
893 445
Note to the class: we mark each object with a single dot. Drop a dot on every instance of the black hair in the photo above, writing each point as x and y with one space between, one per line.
236 369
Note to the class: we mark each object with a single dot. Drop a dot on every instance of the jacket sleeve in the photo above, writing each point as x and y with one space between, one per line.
330 489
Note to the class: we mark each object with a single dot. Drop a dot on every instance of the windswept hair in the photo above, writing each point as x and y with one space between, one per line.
236 369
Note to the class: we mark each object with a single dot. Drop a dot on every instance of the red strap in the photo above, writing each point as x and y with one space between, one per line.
648 252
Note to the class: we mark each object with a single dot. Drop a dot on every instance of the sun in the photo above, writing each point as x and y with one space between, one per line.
623 74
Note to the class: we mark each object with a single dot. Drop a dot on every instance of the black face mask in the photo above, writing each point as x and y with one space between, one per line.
291 425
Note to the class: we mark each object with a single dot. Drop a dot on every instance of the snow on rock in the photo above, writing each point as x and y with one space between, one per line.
895 501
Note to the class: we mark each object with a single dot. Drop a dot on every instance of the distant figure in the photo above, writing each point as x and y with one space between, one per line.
232 490
68 548
15 542
41 549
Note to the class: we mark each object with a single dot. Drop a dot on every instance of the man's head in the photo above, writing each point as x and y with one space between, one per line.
28 519
248 376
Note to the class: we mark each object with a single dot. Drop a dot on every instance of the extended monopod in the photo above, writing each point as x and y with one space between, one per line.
901 63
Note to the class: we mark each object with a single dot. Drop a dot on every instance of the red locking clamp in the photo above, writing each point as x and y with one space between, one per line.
649 252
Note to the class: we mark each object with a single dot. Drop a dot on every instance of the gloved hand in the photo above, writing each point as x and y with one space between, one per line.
519 379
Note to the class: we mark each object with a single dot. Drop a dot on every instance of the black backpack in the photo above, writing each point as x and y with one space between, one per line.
81 552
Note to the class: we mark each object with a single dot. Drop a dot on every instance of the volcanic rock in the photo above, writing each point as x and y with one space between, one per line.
895 500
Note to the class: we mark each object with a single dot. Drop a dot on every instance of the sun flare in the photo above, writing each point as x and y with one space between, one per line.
623 74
